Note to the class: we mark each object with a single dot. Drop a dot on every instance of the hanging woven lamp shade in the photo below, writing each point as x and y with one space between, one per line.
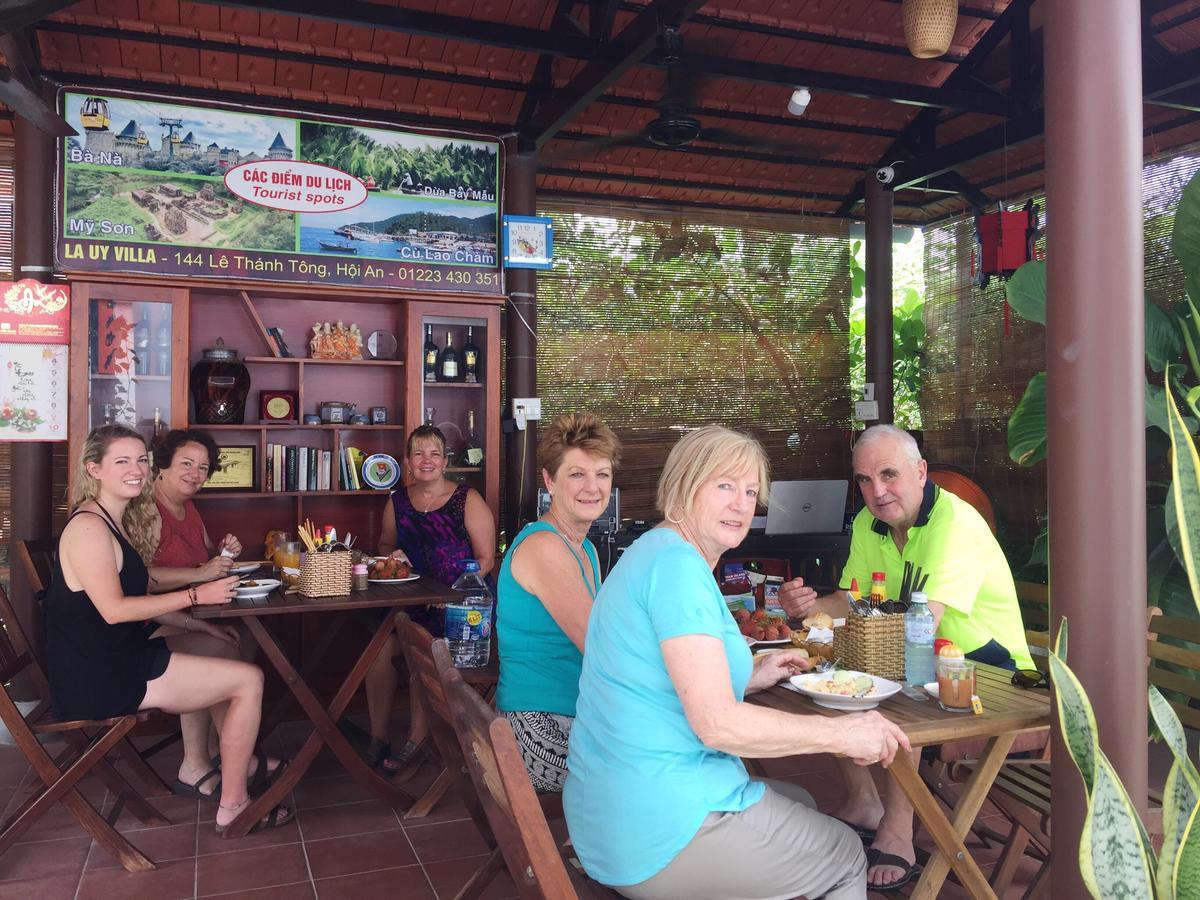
929 26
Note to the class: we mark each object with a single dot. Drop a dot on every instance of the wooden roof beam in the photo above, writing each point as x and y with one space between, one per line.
18 14
415 21
613 60
989 103
1014 17
22 92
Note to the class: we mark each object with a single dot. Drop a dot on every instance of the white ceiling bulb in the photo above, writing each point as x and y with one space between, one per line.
799 102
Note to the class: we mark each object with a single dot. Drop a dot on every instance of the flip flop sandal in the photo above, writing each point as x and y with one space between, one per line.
865 834
260 786
379 756
876 857
276 818
263 774
183 789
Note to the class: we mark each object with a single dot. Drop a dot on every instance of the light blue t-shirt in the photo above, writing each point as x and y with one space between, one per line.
640 782
539 664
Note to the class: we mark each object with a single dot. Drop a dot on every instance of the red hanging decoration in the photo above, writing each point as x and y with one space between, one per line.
1004 241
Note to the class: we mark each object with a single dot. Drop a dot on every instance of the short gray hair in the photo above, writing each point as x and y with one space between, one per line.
877 433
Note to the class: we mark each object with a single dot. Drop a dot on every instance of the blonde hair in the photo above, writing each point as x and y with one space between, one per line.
703 454
141 512
577 431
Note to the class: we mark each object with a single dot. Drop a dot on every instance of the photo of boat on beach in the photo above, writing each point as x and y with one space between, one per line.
392 228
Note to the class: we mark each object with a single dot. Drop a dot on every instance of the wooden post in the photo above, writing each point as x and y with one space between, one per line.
879 361
1095 362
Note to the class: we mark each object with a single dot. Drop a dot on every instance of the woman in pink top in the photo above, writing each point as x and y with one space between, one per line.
184 554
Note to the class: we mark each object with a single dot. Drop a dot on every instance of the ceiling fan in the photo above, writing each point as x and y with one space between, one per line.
674 126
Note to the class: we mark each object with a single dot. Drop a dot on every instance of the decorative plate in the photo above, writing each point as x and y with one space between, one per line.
381 471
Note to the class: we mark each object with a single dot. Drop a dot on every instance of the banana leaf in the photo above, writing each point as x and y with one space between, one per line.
1027 424
1185 234
1164 343
1026 291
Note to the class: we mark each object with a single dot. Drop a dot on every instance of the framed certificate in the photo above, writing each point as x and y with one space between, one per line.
528 242
236 471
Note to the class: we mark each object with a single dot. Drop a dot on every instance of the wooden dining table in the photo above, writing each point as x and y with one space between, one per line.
253 613
1007 710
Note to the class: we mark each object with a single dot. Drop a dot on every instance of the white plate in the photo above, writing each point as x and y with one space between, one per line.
393 580
260 588
883 689
753 643
243 568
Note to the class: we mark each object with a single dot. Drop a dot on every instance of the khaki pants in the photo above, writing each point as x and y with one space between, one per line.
779 848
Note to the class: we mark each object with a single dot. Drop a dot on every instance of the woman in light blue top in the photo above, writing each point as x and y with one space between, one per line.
658 801
547 584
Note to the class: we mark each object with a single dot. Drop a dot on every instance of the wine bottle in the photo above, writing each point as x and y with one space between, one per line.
473 452
448 363
162 343
141 344
430 355
470 358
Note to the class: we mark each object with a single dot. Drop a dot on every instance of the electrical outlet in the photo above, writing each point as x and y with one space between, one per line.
529 407
866 410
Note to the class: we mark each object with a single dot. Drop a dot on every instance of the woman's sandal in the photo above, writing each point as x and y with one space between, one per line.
264 776
379 756
276 818
183 789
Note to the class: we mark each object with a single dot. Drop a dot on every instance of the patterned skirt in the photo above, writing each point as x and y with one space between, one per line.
542 738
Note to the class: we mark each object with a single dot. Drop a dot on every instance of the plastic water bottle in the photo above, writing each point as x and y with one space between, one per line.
469 621
919 628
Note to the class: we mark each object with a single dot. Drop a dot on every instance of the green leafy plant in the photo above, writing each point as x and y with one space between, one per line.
1172 346
1116 856
908 329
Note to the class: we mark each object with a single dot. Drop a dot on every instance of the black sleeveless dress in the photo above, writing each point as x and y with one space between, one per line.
98 670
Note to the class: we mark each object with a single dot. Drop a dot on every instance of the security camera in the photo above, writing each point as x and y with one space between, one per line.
885 174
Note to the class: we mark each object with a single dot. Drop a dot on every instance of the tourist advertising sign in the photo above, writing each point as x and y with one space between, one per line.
34 333
166 188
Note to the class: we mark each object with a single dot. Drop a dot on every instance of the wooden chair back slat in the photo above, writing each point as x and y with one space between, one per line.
417 645
494 762
15 655
1176 627
37 557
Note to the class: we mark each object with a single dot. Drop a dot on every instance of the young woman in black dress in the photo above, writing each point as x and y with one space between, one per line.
103 660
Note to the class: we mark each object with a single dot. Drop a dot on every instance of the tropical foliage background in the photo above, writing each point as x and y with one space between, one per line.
447 167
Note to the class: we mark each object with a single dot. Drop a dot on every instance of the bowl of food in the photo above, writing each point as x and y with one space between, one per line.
253 588
844 689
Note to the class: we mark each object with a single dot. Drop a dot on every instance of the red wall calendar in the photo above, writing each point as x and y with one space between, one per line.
34 337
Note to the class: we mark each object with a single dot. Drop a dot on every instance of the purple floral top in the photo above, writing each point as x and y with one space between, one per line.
436 541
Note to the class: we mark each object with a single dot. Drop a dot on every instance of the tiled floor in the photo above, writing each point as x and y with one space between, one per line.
344 844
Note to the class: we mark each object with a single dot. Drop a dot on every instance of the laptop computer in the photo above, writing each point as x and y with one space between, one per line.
807 507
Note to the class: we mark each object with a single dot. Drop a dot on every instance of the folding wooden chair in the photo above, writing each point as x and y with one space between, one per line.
417 644
485 678
37 557
88 743
490 752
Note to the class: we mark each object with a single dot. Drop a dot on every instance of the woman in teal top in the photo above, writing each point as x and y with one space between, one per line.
657 799
547 584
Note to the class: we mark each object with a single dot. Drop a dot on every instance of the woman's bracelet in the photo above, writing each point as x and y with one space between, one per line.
192 595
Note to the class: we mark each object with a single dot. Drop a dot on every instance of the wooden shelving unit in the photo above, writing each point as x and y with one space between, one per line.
240 314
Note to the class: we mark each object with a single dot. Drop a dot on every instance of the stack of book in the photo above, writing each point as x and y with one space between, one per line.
294 468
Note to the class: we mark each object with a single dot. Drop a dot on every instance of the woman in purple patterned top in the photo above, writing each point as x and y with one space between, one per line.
437 526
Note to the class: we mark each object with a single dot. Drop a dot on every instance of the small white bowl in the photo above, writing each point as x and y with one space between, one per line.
260 588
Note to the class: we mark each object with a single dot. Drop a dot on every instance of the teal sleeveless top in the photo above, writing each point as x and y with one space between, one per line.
539 665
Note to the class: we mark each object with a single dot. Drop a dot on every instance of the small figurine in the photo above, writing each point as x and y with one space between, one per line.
337 342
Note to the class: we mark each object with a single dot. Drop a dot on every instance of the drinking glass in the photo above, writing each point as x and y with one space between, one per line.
288 561
956 684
